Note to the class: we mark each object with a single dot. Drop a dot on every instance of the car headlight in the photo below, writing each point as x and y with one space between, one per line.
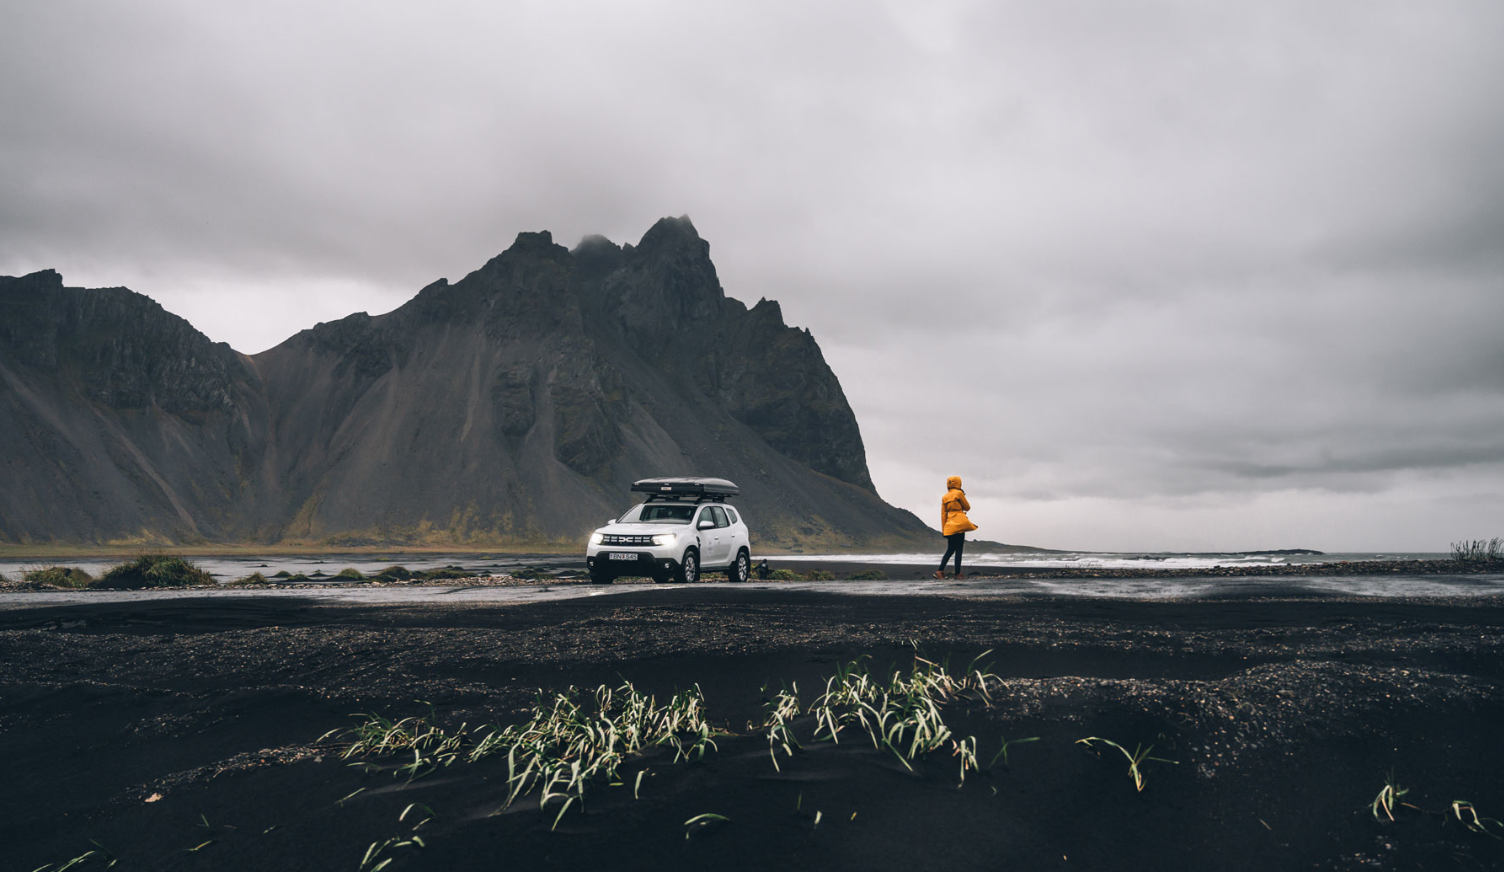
663 539
596 537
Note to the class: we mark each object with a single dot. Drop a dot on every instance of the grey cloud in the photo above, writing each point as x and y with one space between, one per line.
1177 251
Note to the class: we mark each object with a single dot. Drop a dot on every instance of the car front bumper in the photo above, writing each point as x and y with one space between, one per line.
643 561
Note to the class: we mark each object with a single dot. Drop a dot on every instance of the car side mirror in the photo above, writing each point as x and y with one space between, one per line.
707 524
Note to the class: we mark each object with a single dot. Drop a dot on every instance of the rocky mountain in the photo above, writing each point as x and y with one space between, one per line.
510 408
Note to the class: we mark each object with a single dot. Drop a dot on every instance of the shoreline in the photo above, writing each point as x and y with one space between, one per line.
572 571
1345 567
54 552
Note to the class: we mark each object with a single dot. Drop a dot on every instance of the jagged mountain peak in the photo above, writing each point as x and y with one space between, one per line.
527 253
597 256
666 287
538 244
768 309
41 280
594 243
512 406
674 241
673 232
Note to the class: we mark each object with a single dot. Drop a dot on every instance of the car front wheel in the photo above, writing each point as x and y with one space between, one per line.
689 568
741 570
601 577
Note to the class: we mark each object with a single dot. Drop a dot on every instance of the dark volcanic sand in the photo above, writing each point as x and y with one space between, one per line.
1284 715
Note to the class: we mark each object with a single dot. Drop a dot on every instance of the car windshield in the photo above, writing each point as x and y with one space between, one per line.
659 513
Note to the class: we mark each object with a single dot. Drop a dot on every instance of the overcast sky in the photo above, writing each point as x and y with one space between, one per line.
1150 276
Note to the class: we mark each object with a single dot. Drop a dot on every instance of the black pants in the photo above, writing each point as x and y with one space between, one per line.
954 544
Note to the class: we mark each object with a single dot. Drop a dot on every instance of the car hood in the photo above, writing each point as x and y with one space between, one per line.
641 529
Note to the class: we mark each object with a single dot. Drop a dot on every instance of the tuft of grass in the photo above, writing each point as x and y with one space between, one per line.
394 573
444 572
783 575
1468 815
966 749
532 572
431 747
1479 550
253 578
868 575
819 575
59 576
1389 797
374 862
155 570
351 573
782 709
283 574
1136 759
900 714
572 740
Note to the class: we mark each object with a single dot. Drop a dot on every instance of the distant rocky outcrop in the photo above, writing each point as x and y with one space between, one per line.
510 408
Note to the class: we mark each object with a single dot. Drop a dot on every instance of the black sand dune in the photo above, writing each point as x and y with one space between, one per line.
1284 716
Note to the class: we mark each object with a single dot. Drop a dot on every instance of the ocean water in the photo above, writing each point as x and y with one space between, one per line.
229 568
1120 560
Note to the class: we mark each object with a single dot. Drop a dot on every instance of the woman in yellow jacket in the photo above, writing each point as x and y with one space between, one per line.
954 524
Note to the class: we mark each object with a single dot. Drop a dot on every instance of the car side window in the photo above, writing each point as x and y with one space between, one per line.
731 513
719 516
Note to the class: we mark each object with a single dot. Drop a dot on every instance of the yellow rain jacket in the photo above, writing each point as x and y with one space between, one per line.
953 509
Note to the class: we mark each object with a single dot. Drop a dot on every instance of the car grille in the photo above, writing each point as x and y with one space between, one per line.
610 539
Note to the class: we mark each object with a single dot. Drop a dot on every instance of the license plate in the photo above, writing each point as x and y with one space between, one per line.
617 555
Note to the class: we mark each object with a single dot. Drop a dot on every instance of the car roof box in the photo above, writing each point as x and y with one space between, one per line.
686 488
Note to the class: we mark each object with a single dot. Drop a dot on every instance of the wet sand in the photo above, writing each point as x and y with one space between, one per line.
158 726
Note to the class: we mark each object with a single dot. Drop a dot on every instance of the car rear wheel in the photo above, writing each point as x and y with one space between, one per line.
741 570
689 568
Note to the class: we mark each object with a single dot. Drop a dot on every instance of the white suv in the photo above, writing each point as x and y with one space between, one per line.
685 525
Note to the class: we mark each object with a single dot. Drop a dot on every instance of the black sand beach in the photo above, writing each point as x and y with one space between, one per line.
182 734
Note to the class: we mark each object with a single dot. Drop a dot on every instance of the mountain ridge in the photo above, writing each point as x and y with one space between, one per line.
511 407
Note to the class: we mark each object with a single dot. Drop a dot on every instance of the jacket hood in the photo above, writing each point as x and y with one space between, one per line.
954 482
